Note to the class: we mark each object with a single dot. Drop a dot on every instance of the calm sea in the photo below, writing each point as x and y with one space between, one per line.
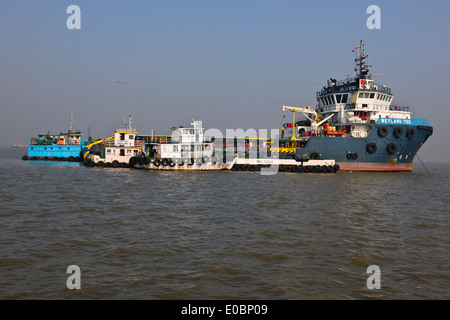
137 234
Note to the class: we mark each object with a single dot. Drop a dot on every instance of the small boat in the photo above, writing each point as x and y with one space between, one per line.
115 151
57 147
187 149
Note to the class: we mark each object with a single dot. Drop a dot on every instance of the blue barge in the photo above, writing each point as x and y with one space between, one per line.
57 147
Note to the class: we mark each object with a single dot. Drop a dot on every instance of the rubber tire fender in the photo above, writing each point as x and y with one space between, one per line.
398 132
383 131
391 148
371 148
411 133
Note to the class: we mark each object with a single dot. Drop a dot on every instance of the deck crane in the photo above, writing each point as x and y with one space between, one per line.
310 114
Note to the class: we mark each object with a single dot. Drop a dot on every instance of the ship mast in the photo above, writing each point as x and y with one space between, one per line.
362 69
71 120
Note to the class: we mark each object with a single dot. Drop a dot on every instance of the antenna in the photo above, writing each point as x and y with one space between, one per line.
71 120
389 71
130 120
124 122
361 68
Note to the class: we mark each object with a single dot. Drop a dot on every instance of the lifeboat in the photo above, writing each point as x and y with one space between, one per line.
327 130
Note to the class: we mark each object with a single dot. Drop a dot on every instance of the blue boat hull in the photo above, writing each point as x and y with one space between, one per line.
54 152
391 153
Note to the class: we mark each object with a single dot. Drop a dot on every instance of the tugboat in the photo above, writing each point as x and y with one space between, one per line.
115 151
188 149
57 147
356 124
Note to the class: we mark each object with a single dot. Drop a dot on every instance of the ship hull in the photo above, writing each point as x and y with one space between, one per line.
391 152
54 152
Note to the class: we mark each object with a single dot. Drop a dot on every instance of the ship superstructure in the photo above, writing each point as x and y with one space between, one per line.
356 123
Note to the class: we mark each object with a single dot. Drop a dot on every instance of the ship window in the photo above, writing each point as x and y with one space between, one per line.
329 100
128 151
344 98
338 98
323 102
175 148
372 95
366 95
108 151
361 94
390 98
131 137
333 101
122 152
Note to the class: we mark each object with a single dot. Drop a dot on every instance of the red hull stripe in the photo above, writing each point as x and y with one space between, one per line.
373 166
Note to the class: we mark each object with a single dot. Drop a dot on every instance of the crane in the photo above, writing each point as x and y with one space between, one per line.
310 113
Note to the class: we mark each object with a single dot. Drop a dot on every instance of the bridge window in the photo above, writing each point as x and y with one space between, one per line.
372 95
332 99
361 95
344 98
338 98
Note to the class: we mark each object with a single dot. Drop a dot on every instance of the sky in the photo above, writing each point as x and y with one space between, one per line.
232 64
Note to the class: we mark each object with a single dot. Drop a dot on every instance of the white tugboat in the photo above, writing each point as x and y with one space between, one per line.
188 149
115 151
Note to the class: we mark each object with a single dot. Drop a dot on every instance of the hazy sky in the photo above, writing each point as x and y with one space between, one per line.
232 64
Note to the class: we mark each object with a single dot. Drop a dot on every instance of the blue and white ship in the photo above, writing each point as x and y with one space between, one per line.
57 147
356 124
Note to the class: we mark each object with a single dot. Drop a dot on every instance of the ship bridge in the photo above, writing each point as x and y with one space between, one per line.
358 99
